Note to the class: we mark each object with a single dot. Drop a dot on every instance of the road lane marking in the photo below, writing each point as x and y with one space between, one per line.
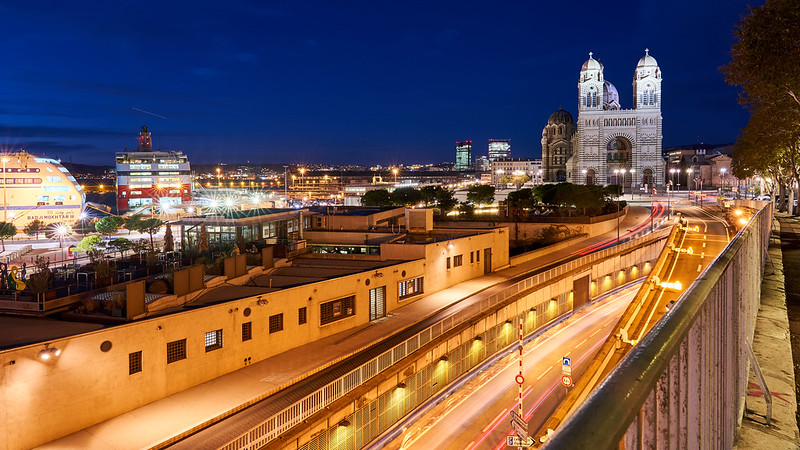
582 342
499 417
704 245
699 266
544 373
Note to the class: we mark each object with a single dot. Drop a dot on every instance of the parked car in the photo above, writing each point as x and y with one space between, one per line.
763 197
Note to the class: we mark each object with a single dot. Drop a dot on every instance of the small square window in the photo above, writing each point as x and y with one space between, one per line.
247 331
302 315
134 362
213 340
176 350
276 323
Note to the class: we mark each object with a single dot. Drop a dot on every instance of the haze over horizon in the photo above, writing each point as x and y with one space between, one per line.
355 83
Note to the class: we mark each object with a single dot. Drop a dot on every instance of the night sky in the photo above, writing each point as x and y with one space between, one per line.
344 82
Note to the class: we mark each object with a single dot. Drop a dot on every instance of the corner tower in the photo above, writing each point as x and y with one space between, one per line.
647 83
590 86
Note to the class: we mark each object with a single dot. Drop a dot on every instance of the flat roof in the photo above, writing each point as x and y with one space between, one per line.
20 331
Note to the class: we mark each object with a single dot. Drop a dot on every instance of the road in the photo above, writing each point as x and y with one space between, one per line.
476 417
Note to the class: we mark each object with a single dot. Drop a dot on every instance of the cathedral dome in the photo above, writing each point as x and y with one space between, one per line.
610 96
591 64
560 117
647 60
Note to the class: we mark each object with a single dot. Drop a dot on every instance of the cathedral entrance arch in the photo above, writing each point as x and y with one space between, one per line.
591 176
618 151
647 178
561 175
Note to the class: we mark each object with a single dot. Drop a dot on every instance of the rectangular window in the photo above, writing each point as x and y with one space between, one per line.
377 303
134 362
276 323
471 257
458 260
448 263
213 340
337 309
247 331
176 350
409 288
477 256
302 315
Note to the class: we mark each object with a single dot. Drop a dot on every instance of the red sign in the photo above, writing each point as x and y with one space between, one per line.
566 380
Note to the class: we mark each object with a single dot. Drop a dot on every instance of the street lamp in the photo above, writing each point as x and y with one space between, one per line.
394 171
669 198
633 191
302 173
722 171
673 171
219 177
5 204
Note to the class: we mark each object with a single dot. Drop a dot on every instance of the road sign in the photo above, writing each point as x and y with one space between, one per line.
566 365
521 431
516 441
516 418
566 380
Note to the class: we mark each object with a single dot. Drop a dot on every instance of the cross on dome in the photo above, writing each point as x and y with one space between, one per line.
647 52
590 54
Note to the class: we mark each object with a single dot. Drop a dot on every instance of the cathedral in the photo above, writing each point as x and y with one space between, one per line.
608 144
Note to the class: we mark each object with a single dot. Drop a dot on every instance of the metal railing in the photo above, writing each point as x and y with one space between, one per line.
684 384
294 414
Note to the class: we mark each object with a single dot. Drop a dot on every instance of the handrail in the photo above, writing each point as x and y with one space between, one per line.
604 418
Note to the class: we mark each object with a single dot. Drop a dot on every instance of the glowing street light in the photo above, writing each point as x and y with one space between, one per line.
5 159
394 171
61 231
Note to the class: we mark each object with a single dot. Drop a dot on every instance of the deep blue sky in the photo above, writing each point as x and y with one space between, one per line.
344 82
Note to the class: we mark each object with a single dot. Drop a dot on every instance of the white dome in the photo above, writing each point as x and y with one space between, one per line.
591 64
647 60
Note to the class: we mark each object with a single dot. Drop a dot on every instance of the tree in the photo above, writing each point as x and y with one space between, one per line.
480 194
133 223
90 243
518 179
202 241
109 225
151 226
377 197
764 58
7 230
33 228
406 196
446 200
169 241
121 245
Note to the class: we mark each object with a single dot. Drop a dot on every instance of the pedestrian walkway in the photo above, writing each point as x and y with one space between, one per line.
183 413
773 349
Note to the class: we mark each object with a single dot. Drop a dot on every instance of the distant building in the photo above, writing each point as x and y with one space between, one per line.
146 177
499 149
506 170
482 164
557 144
464 155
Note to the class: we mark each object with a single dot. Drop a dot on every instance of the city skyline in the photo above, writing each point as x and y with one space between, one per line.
313 83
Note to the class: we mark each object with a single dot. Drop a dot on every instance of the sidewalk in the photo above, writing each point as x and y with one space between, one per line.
773 349
182 413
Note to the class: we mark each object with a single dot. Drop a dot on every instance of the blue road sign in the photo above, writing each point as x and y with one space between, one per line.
566 361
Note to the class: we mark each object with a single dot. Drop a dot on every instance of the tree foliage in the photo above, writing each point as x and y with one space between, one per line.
150 226
133 223
7 230
34 227
480 194
377 197
90 243
109 225
169 241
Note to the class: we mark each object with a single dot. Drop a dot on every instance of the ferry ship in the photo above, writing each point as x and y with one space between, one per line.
38 188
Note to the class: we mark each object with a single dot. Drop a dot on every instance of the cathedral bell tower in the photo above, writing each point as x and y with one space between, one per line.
590 86
647 83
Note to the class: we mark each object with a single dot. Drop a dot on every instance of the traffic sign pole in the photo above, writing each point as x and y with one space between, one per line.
520 379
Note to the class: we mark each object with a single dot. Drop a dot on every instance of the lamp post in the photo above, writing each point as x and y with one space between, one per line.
669 198
302 173
632 172
585 180
673 171
286 183
722 171
394 171
219 178
689 187
5 204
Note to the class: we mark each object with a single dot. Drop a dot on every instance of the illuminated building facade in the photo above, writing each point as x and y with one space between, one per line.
464 155
146 177
499 149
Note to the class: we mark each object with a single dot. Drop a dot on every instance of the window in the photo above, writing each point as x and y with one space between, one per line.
458 260
176 351
276 323
448 263
471 257
247 331
409 288
213 340
377 303
477 256
134 362
302 315
54 179
337 309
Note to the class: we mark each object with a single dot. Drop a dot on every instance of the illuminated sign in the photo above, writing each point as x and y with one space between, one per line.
674 286
687 250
